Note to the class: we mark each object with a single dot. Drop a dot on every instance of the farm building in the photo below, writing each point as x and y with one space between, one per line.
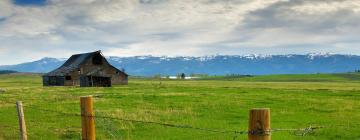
86 70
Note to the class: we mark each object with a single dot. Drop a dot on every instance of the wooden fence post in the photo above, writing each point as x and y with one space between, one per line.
87 118
259 124
22 126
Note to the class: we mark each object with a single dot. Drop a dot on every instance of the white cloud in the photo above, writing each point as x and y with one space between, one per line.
327 7
6 8
176 27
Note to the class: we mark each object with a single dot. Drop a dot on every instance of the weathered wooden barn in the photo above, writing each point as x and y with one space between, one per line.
87 70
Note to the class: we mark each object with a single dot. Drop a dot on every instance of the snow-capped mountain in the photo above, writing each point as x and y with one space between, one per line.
215 64
43 65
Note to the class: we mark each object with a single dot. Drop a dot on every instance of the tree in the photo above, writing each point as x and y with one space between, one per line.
182 75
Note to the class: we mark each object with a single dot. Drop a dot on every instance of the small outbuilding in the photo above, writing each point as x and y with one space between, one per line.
87 70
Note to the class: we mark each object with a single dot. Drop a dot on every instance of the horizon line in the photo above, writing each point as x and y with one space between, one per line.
211 55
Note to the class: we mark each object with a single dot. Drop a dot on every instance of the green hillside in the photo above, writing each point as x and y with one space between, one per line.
220 103
339 77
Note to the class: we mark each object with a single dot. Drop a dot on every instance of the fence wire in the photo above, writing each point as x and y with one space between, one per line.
234 133
106 124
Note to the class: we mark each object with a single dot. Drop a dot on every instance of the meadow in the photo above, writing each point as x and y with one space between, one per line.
217 103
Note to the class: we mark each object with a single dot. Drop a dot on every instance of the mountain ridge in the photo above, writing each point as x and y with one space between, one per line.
253 64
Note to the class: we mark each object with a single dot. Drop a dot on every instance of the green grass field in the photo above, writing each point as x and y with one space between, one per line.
221 103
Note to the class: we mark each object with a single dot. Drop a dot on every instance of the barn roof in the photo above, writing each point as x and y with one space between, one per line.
74 63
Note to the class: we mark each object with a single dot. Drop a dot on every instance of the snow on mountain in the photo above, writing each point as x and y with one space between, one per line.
254 64
314 55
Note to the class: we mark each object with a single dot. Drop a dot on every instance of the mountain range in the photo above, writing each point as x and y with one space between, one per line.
215 64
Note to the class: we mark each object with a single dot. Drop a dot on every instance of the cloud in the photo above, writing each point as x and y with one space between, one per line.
6 8
176 27
303 22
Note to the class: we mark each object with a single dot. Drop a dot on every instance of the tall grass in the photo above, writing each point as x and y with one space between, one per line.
213 104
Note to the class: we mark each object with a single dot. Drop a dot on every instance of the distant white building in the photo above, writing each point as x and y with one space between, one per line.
175 77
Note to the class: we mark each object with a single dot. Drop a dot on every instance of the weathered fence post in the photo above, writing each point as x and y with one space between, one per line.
259 124
22 126
87 118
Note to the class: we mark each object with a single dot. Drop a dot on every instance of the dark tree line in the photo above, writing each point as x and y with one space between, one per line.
7 71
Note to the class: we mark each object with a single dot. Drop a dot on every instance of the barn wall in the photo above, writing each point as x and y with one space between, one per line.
60 81
45 81
84 81
88 66
75 79
53 80
96 81
119 78
69 83
108 71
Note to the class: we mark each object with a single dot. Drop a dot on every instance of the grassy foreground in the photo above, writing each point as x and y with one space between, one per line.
221 103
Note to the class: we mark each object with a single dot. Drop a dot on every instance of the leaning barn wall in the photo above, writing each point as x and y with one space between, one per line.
45 81
53 80
109 71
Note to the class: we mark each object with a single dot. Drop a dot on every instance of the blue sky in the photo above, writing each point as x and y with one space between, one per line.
29 2
32 29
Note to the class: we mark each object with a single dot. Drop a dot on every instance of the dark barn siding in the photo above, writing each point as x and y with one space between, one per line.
95 81
45 81
84 81
53 80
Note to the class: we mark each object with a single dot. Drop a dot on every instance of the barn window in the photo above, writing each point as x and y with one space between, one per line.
97 60
67 77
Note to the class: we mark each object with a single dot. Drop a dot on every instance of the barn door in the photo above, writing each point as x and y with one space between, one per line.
101 81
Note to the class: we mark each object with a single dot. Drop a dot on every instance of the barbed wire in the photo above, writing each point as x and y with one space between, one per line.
53 111
296 131
174 125
301 131
141 121
109 128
